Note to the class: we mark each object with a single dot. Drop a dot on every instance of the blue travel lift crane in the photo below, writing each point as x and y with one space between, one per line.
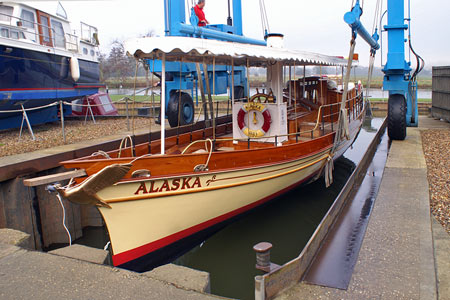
182 77
398 80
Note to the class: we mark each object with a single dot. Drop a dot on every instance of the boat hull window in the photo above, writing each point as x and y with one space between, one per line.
59 34
27 19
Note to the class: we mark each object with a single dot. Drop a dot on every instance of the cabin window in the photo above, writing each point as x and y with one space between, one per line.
6 13
85 51
92 53
4 32
27 19
59 34
45 31
14 34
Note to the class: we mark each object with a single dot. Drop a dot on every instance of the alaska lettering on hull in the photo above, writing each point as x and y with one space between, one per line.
168 185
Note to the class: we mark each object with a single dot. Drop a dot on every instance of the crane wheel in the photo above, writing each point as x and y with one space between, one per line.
186 115
397 117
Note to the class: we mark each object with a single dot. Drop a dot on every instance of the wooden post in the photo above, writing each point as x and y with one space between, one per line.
62 121
128 113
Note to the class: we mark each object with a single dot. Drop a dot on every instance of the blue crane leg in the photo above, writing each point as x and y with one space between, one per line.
237 16
397 79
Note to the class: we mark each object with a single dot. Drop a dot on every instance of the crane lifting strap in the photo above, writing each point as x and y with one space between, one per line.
342 129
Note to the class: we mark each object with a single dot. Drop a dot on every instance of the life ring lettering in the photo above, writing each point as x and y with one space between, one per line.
255 106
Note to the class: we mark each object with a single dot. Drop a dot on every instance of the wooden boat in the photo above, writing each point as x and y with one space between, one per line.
183 187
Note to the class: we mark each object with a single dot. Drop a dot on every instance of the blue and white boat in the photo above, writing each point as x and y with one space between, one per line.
43 61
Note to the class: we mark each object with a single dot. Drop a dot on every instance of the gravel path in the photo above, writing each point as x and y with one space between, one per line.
436 146
50 135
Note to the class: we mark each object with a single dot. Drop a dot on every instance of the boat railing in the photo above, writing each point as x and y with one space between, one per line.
355 106
88 33
16 23
328 114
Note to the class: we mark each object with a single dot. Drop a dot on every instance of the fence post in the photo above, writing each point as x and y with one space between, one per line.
127 112
217 109
62 120
25 118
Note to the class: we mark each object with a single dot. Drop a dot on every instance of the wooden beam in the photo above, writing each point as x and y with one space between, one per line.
54 178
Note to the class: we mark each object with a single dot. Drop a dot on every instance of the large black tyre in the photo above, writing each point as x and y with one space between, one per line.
239 92
187 109
397 117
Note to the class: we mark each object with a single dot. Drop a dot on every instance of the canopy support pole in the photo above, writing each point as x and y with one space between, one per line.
232 80
290 85
208 90
202 90
163 104
304 81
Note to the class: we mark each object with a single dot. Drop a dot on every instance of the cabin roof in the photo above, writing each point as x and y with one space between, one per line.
33 6
199 50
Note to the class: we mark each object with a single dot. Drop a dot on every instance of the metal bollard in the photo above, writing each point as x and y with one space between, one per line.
263 257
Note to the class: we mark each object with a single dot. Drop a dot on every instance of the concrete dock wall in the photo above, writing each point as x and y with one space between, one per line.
38 213
441 93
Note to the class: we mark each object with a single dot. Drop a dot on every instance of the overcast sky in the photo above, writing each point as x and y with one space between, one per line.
316 26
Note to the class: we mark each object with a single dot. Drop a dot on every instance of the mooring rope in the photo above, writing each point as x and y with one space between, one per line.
64 219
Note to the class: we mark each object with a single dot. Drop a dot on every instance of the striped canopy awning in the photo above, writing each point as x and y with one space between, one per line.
205 50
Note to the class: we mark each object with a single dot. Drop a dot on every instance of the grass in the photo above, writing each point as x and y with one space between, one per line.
139 98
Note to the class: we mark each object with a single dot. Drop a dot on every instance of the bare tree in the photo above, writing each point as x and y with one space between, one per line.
118 64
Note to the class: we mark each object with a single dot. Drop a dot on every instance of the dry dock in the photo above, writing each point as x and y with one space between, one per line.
398 258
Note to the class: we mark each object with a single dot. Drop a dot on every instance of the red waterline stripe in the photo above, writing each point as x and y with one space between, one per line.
140 251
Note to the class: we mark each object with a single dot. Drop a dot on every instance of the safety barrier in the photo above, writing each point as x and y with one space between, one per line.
25 118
